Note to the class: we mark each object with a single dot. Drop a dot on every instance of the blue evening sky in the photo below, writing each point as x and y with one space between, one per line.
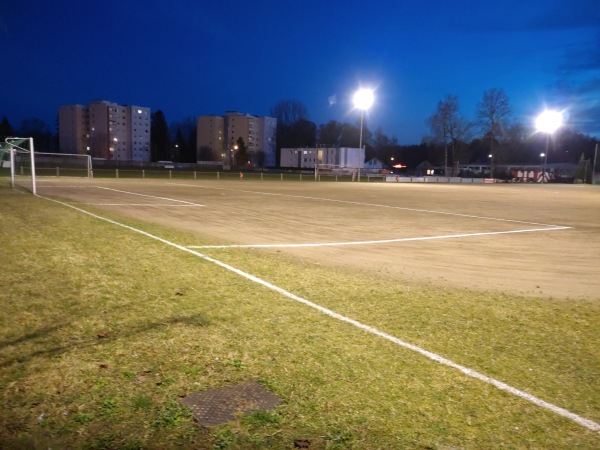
191 58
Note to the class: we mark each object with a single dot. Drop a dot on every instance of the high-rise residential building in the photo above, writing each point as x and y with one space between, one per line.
210 138
267 139
105 130
73 129
218 136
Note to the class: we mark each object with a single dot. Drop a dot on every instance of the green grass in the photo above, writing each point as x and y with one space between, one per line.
102 331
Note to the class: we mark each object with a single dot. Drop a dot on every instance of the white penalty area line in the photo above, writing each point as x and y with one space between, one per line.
587 423
149 196
183 202
382 241
162 205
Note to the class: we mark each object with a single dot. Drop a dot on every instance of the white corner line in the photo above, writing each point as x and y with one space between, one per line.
587 423
382 241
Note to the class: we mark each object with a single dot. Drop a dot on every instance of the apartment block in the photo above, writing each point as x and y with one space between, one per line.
267 139
105 130
210 138
73 129
219 135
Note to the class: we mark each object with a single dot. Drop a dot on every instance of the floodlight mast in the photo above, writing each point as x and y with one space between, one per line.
363 99
548 122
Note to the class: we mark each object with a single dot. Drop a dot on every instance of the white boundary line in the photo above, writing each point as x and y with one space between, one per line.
383 241
587 423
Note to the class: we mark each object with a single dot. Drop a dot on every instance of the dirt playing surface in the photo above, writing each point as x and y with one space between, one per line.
525 239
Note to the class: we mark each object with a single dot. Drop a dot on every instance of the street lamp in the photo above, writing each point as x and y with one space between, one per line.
233 150
363 99
116 150
548 122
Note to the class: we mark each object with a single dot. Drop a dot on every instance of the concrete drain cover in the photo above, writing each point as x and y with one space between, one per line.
222 405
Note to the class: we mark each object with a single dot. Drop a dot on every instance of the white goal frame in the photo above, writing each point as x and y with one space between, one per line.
15 146
335 170
85 165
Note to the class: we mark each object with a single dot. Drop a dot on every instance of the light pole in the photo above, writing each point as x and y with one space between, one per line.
548 122
542 156
363 99
233 150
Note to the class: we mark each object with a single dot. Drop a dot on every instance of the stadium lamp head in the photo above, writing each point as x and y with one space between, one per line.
363 99
549 121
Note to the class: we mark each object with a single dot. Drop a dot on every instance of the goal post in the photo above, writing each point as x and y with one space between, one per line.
21 149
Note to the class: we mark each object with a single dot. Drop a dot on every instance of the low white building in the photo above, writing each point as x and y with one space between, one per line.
308 158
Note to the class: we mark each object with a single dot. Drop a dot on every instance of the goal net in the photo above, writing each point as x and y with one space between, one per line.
60 164
26 165
335 170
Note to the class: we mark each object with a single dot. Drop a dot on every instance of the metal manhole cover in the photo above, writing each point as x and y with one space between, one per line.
222 405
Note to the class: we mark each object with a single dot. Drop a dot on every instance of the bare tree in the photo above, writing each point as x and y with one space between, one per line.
493 112
293 127
329 133
449 127
288 112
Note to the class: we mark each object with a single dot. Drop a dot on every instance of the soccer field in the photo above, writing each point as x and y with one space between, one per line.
447 316
524 239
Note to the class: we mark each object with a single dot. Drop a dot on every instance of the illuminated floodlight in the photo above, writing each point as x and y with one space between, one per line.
549 121
363 99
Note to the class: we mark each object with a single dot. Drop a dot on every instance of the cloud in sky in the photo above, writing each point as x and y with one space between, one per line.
578 84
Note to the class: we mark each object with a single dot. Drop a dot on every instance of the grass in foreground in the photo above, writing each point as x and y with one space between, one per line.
102 331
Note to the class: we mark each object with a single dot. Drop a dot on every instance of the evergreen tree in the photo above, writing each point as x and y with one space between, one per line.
6 129
159 137
241 154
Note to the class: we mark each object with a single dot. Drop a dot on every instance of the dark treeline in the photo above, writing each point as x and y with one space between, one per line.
452 140
489 138
45 139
